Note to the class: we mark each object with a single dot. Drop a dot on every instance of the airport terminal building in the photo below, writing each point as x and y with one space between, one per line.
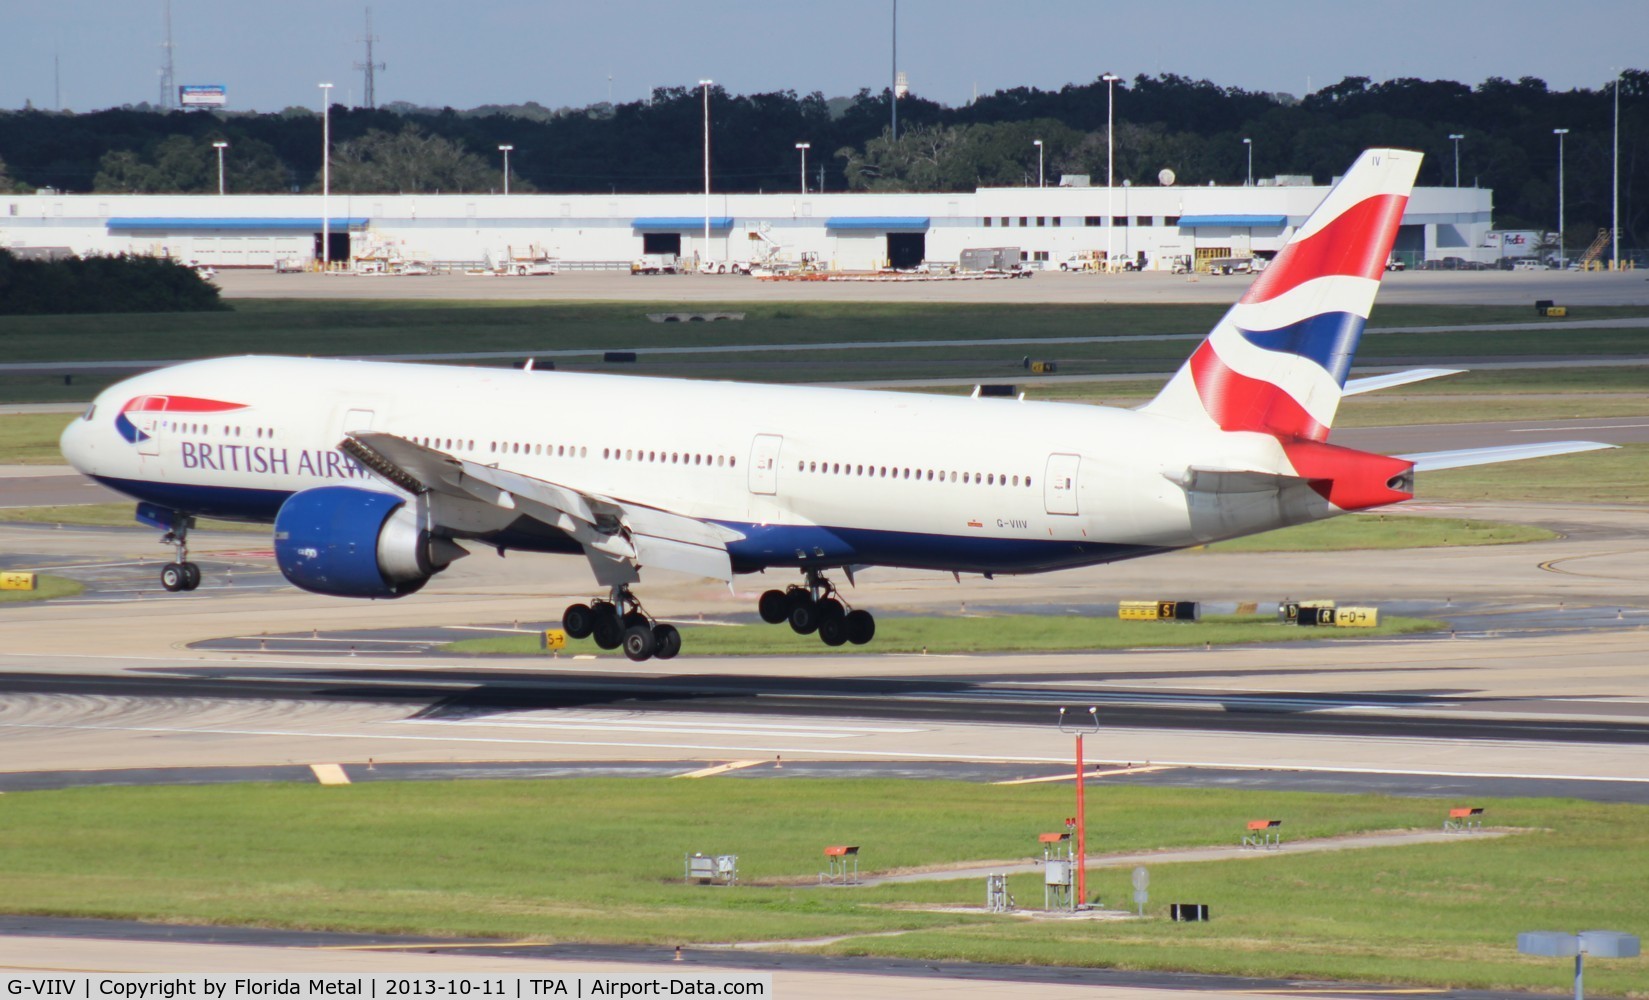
850 232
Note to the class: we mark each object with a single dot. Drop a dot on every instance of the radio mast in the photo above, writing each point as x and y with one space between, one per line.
168 90
370 67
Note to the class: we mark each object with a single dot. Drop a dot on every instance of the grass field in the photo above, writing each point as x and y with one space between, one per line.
978 634
1619 475
108 515
31 438
1380 531
601 861
45 588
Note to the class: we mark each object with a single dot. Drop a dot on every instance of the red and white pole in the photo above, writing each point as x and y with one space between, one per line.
1081 832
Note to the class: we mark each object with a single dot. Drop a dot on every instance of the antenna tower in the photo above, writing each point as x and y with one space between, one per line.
370 67
168 91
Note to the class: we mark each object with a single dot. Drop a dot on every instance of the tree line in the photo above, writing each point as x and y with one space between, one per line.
1193 127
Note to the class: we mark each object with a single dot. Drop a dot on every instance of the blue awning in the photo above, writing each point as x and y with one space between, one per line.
1237 221
307 225
683 222
877 222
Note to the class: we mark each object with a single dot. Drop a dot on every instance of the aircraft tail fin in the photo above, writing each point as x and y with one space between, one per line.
1277 362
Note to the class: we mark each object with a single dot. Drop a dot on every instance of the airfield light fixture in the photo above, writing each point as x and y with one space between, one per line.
220 146
1250 144
326 174
505 149
804 147
1601 944
1040 180
1110 81
1455 137
706 85
1560 133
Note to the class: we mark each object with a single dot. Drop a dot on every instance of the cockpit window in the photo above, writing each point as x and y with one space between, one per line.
91 411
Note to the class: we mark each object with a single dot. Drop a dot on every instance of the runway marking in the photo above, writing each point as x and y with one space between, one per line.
838 752
687 729
323 638
329 774
488 628
1087 774
1331 992
1582 427
429 946
708 772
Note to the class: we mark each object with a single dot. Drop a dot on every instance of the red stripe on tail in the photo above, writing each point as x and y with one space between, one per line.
1239 403
1356 244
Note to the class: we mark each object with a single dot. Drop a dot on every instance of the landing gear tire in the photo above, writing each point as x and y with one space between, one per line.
578 621
833 630
639 642
173 577
830 608
608 631
804 618
635 619
861 627
666 641
773 607
191 576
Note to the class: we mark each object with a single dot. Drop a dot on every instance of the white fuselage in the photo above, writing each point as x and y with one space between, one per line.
811 475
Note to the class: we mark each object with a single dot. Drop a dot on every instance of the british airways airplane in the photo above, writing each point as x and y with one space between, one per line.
376 476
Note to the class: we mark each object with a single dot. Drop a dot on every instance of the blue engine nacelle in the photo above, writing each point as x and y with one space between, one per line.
349 542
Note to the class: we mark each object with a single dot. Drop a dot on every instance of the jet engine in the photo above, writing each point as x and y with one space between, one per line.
348 542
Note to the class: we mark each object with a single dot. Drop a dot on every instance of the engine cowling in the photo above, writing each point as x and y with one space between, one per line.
348 542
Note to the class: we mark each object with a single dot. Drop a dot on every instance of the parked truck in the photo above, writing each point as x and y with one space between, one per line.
521 260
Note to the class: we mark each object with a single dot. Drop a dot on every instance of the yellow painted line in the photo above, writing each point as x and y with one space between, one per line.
1071 775
329 774
421 946
721 769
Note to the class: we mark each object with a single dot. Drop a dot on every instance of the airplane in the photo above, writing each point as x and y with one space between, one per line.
376 476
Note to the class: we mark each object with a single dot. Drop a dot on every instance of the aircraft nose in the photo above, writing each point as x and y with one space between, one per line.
76 446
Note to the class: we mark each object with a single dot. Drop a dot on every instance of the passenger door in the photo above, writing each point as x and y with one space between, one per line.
764 464
1059 484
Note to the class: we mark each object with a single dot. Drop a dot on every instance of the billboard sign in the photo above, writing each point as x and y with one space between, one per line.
212 95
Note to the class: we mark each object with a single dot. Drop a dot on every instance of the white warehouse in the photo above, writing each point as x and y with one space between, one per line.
842 231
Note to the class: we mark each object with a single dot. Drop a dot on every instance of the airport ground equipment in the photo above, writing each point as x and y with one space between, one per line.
841 865
1058 871
997 897
1599 944
712 869
1188 912
1263 835
17 581
1465 819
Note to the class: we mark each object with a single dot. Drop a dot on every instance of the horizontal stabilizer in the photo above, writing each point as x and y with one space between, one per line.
1431 461
1371 383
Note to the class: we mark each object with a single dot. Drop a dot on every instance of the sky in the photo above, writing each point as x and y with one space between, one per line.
270 55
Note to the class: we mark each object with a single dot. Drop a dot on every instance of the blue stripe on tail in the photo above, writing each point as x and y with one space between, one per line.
1329 339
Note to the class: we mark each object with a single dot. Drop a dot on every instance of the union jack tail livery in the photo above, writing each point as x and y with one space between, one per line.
1277 362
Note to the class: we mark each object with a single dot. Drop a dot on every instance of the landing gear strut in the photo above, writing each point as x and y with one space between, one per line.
817 607
620 622
181 574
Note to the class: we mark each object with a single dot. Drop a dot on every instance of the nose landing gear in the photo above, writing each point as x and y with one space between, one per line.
817 607
620 622
180 574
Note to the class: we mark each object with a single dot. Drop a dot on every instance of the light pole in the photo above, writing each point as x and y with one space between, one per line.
1614 223
1040 182
1455 137
505 149
1250 144
326 175
804 147
220 146
1081 804
706 85
1560 133
1110 80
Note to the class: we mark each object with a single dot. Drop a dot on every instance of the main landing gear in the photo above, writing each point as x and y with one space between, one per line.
181 574
620 622
817 607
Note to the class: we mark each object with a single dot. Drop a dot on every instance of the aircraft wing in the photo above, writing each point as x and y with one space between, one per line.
1371 383
619 536
1431 461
